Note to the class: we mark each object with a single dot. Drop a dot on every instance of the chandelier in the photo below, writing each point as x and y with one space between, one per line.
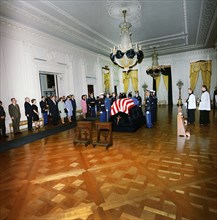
155 70
126 55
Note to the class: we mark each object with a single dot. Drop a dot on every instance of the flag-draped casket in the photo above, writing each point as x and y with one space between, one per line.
126 115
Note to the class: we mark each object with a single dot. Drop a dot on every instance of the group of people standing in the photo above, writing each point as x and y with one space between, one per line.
101 105
59 108
66 107
91 106
204 106
56 108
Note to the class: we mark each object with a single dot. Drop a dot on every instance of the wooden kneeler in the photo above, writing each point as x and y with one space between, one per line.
182 125
104 134
84 136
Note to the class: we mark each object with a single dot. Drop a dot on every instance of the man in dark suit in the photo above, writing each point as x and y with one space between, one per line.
44 109
28 112
2 121
74 107
14 112
53 109
91 102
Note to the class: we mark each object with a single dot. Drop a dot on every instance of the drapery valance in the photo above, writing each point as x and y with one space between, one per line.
205 66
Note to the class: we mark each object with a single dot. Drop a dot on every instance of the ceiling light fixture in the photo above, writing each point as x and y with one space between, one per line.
126 55
155 70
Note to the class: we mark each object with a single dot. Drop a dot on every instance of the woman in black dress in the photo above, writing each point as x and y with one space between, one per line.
35 113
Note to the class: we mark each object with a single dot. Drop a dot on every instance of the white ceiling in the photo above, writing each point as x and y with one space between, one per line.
169 25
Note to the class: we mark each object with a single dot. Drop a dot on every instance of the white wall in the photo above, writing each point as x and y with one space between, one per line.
25 52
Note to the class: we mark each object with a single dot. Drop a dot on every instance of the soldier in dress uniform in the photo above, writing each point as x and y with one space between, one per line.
138 97
153 99
102 109
108 106
148 109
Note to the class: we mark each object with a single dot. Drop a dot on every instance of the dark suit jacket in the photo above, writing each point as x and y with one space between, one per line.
28 109
2 113
43 106
14 111
53 109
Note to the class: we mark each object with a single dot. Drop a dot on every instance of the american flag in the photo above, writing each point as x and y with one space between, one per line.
122 105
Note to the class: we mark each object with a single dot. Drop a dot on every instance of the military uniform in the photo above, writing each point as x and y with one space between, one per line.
148 112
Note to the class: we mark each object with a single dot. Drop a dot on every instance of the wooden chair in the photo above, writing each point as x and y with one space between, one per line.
104 134
84 136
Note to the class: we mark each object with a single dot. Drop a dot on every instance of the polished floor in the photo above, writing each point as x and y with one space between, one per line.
151 175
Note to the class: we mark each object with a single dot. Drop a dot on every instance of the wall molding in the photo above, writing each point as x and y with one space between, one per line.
20 32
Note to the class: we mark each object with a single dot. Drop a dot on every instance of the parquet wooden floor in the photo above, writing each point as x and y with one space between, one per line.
151 175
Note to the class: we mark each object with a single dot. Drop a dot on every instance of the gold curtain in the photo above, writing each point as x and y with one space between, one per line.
134 79
126 79
133 75
157 82
165 78
106 74
206 71
194 72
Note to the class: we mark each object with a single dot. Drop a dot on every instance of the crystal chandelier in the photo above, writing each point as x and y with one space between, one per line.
126 55
155 70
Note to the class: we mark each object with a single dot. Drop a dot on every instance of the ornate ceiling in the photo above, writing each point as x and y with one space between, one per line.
169 25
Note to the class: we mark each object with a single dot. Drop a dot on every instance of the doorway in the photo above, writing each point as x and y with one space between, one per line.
115 90
90 89
48 84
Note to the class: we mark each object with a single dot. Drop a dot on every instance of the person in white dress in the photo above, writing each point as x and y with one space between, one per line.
191 106
204 106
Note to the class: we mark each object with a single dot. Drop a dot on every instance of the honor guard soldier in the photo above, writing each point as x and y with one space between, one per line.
138 97
148 109
153 99
102 109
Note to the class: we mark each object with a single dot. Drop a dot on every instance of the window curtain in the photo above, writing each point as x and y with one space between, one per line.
133 75
106 78
165 78
134 78
157 82
157 79
206 70
168 73
126 79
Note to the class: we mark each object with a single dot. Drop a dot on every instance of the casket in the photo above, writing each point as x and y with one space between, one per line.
126 116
